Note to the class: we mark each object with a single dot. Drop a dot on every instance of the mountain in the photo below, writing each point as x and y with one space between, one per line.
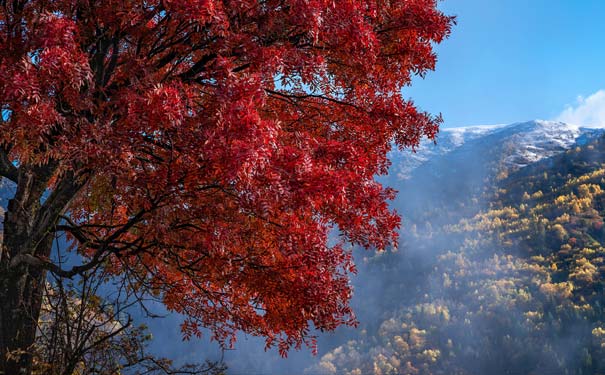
501 265
520 144
454 176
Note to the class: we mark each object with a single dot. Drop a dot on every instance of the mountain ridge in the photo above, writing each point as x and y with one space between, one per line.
529 141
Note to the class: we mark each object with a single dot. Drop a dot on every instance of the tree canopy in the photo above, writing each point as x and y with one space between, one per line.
206 149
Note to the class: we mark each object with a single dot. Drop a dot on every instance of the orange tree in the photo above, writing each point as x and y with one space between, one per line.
205 149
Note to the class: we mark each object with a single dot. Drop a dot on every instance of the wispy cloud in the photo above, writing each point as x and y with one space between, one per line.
588 112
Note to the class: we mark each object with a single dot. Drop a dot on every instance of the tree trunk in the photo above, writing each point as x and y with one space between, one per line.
21 284
21 297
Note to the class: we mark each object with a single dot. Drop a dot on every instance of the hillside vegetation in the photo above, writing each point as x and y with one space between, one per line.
515 287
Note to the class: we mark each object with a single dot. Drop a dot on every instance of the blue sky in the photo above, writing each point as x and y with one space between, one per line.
516 60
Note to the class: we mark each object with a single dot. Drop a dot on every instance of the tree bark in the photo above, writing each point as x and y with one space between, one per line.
21 297
21 284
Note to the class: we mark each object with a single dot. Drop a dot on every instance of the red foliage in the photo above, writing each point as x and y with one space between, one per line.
219 142
572 241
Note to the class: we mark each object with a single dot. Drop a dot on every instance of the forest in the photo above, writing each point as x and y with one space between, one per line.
511 284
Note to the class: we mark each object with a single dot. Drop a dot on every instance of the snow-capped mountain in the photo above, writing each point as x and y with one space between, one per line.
520 143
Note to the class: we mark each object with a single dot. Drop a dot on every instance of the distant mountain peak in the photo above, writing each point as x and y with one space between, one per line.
527 142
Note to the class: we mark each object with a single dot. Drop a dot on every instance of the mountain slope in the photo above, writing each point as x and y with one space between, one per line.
501 269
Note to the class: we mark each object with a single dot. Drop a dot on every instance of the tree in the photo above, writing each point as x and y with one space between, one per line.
205 148
85 330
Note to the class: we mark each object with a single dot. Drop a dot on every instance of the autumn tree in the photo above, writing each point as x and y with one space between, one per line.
205 148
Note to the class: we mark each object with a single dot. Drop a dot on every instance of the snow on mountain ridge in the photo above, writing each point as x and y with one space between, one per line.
526 142
544 139
448 139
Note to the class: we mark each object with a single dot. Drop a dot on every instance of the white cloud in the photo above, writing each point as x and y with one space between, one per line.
587 112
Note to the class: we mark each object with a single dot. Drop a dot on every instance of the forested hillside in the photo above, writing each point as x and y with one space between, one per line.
504 276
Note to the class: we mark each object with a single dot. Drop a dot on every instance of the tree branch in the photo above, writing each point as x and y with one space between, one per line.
56 204
7 168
